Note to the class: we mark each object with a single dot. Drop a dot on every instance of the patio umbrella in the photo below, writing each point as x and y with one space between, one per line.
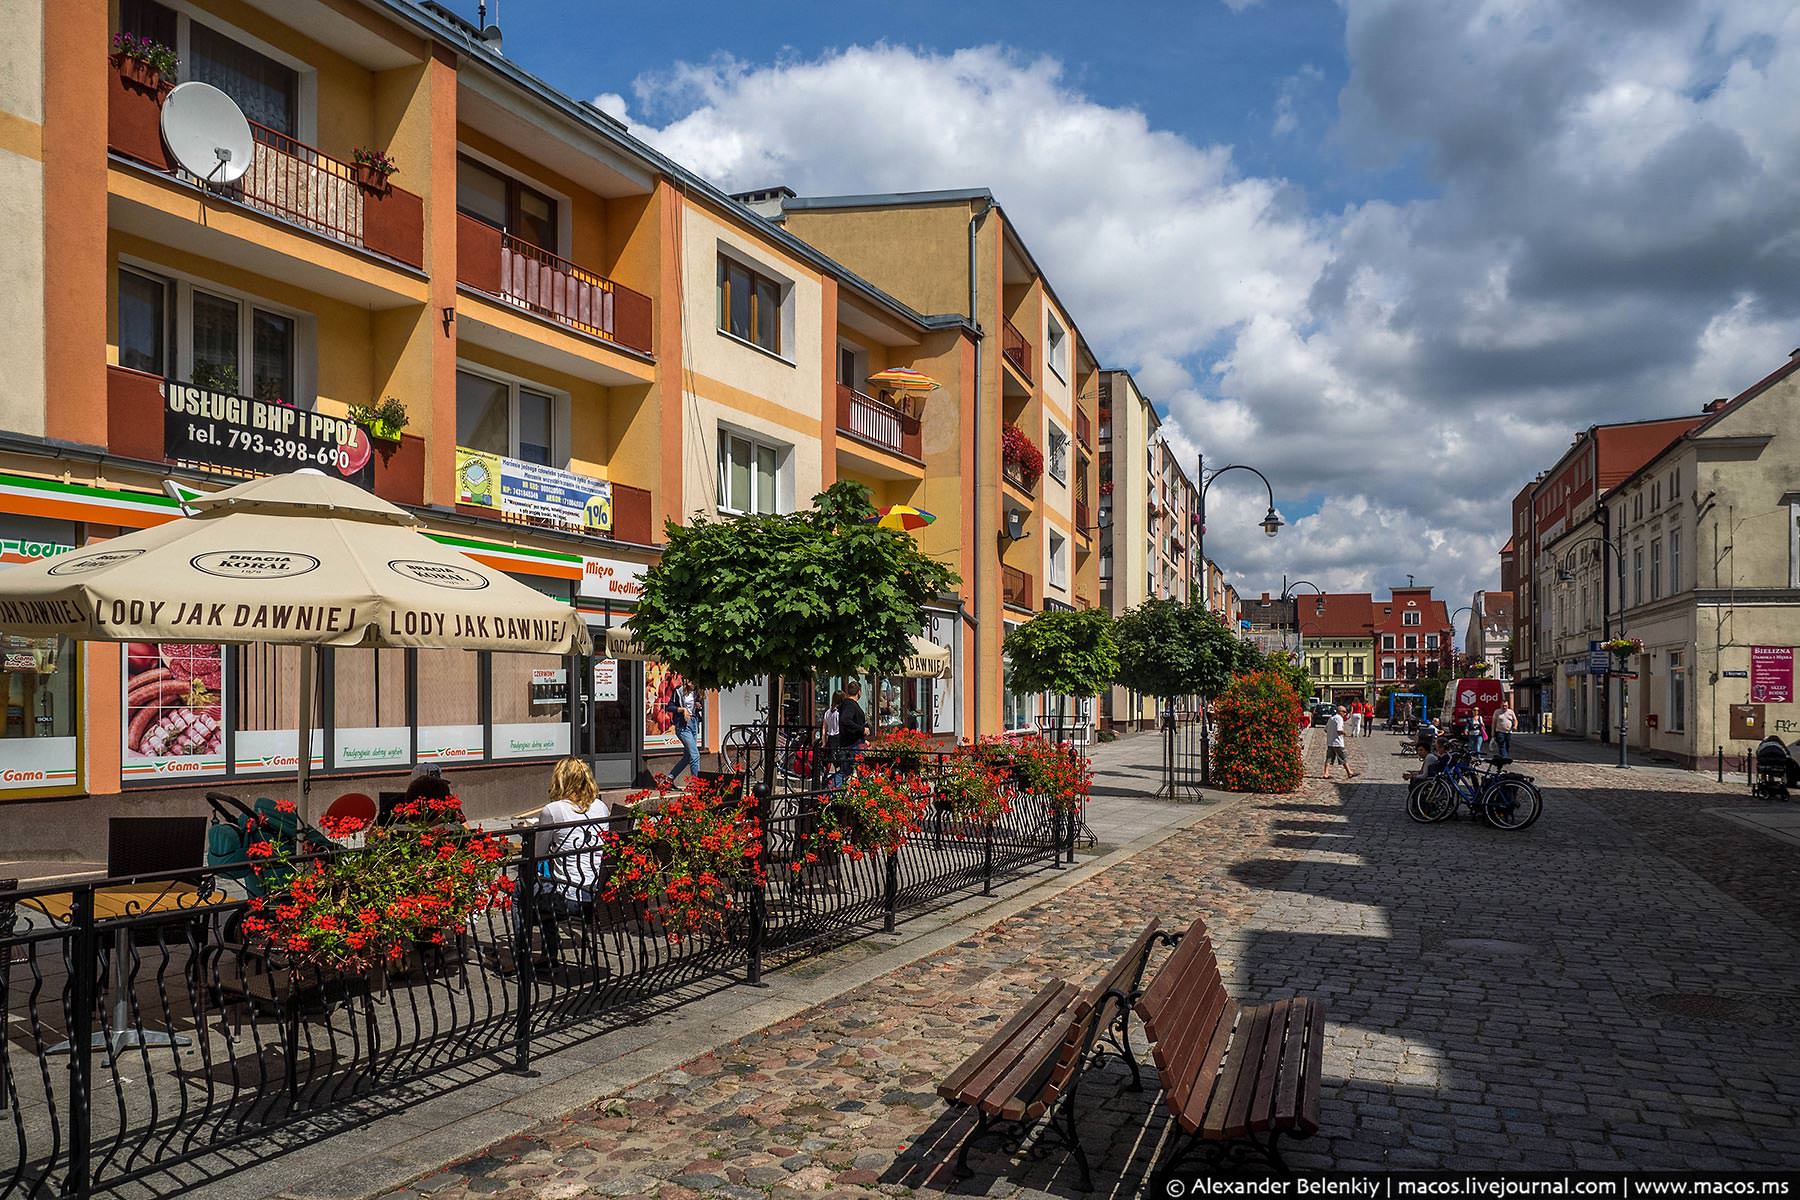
298 560
903 379
928 660
903 517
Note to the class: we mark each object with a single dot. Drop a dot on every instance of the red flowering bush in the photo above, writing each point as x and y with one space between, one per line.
419 880
875 812
902 749
686 861
1254 723
1055 772
1019 451
972 784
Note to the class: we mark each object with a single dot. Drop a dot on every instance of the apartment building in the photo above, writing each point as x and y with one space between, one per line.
1021 508
1413 637
1710 529
587 340
1338 635
1568 565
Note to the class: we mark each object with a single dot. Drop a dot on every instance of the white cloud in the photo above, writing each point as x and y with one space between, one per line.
1606 232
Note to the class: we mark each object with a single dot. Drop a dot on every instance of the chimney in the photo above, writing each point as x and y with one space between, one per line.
1714 405
766 203
1265 598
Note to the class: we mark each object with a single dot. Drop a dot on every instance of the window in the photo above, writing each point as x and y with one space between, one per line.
1637 574
1412 641
1059 561
1337 668
1058 458
267 91
232 343
1656 495
749 305
1356 667
1387 641
1056 346
1656 568
505 203
749 474
1431 641
849 366
1678 688
369 697
1637 505
509 418
1674 561
1313 665
1387 668
1411 618
525 726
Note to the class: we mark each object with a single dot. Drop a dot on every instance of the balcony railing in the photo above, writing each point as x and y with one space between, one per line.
1084 428
1081 519
1013 474
1015 347
493 261
1015 587
881 425
286 178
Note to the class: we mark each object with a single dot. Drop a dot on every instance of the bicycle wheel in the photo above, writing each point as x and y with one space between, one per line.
1431 801
1511 804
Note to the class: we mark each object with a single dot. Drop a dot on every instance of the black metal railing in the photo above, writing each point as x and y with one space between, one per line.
143 1029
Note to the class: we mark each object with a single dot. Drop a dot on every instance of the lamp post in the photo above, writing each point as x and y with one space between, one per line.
1271 522
1287 589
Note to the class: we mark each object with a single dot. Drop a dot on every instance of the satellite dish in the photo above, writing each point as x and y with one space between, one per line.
206 133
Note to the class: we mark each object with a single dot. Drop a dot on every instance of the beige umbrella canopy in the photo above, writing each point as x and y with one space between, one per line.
928 660
300 559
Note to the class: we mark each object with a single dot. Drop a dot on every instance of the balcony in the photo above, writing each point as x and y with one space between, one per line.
532 278
287 179
1082 527
1015 587
873 423
1014 346
1084 428
138 424
1015 477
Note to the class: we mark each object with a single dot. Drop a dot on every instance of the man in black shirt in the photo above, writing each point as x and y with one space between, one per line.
853 730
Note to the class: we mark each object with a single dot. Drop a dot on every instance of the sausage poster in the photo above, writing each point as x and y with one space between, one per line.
174 710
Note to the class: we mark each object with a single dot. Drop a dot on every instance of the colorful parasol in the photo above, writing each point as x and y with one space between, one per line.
903 379
904 517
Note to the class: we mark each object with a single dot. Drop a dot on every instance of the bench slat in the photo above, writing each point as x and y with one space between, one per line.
988 1076
1282 1026
1308 1123
1210 1034
1285 1113
1185 1025
1237 1075
958 1079
1025 1079
1203 1081
1156 996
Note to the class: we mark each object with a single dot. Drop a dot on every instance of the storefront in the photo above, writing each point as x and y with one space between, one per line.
40 680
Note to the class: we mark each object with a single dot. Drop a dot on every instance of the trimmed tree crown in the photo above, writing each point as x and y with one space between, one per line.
1069 652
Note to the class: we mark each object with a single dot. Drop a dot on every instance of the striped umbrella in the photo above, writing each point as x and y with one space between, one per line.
903 517
903 379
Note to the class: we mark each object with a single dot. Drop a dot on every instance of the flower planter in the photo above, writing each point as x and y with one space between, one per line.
382 431
139 74
372 179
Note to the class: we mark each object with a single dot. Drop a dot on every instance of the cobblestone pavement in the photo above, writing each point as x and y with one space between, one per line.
1616 987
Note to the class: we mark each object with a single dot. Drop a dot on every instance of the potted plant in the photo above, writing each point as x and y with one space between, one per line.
417 881
373 167
1624 648
875 812
384 420
902 750
1020 453
684 864
970 786
1479 668
145 63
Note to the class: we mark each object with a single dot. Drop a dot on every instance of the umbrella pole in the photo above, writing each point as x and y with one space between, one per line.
304 762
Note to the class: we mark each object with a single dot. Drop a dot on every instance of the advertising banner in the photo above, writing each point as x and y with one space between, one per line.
660 685
524 489
1772 674
611 579
606 679
241 433
174 710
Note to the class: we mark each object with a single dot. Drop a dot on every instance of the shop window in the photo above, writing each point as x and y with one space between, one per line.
175 711
749 474
510 418
505 203
530 700
450 728
39 679
265 704
371 728
749 305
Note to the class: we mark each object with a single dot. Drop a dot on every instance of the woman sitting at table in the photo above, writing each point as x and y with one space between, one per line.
570 853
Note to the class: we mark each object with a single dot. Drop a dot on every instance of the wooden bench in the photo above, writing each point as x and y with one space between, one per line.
1235 1078
1033 1065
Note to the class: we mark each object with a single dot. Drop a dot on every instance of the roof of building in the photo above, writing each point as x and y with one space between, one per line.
1716 412
1347 614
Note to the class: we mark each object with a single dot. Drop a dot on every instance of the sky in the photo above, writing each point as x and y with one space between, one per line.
1394 253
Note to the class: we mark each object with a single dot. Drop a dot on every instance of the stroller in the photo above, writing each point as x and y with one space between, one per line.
1774 770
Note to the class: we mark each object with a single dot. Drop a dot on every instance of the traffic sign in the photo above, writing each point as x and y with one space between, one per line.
1735 674
1599 662
1625 674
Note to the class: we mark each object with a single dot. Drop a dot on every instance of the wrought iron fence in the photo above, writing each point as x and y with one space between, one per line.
1187 751
143 1028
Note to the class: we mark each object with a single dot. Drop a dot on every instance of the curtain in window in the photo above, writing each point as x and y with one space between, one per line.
267 91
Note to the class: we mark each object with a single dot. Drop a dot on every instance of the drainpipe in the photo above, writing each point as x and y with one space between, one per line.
978 541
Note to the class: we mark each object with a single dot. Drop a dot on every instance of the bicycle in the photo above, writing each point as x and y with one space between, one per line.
1504 799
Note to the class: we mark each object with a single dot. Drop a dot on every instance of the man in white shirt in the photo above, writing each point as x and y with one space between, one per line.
1334 744
1505 721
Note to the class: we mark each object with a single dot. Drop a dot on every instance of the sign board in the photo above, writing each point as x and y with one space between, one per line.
549 687
606 679
242 433
611 579
1735 674
1746 722
1772 674
1625 674
1599 662
526 489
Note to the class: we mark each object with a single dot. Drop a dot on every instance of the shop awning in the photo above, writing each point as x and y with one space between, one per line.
928 660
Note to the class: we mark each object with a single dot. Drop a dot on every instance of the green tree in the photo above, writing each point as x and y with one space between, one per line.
1067 652
1288 666
753 596
1170 648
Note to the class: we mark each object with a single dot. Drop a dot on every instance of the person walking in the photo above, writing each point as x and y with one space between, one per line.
1477 732
1356 718
833 722
1505 721
853 730
684 712
1335 751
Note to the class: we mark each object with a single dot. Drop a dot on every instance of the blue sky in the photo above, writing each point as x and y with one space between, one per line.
1392 252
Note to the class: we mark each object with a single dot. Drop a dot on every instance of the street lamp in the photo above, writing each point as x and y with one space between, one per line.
1287 589
1271 522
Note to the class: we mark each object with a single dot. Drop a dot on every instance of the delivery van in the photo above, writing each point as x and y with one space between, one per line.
1482 695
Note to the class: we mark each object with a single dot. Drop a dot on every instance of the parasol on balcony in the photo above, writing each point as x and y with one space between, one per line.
909 387
903 517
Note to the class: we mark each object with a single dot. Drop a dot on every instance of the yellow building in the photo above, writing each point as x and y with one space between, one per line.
1337 631
587 341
